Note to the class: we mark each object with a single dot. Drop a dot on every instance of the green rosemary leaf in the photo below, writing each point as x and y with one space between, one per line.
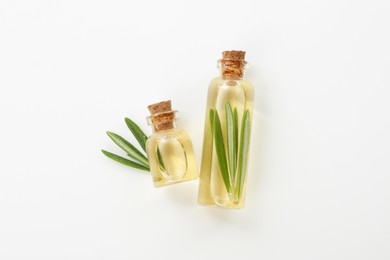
137 132
160 160
244 149
220 150
230 141
235 131
129 148
211 116
125 161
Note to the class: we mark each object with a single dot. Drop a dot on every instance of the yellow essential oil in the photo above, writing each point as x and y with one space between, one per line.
226 140
169 149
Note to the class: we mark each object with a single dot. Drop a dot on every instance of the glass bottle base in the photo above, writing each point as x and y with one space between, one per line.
227 205
159 183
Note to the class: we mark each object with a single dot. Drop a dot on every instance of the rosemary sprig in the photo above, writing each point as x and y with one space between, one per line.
235 129
233 158
231 142
220 149
244 150
140 160
137 132
125 161
212 120
128 148
160 160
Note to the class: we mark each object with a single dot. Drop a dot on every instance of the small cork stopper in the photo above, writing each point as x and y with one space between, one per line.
232 65
160 107
162 115
234 55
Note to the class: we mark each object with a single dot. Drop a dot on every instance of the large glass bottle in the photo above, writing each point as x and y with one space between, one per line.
169 149
227 135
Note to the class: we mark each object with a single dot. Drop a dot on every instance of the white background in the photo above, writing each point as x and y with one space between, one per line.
319 176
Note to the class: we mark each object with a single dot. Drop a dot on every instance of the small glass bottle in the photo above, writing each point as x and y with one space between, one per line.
170 152
227 135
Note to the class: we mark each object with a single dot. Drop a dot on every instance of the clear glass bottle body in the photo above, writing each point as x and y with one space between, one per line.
232 102
171 157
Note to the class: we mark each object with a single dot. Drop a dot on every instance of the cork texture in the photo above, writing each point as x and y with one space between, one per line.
160 107
234 55
232 65
162 115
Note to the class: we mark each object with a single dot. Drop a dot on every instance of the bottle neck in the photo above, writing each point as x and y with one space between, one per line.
164 126
232 69
163 121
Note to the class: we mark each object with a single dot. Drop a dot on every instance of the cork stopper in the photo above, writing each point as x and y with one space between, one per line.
233 55
163 106
162 116
233 64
